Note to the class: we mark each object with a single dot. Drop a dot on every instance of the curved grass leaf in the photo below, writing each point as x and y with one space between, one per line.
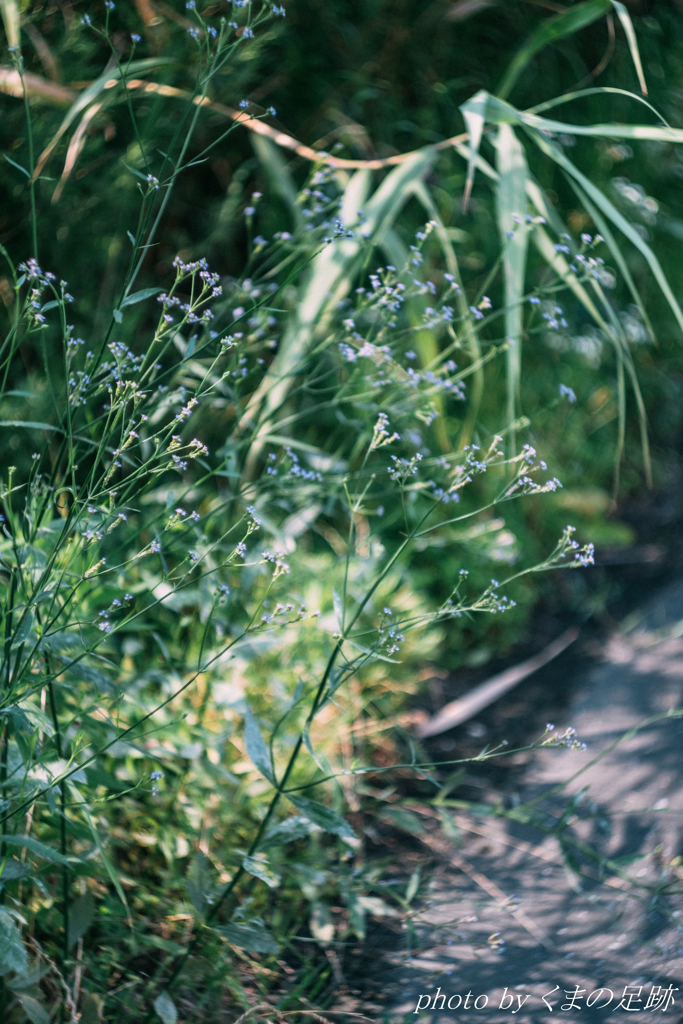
629 31
511 203
145 293
550 31
39 849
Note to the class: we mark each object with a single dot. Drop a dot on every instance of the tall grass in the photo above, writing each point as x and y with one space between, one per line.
208 557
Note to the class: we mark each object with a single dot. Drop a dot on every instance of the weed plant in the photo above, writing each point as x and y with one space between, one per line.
222 497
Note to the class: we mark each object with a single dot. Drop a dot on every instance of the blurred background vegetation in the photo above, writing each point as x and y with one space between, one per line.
376 79
361 79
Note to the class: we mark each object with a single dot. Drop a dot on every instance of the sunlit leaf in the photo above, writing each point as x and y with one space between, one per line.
323 816
257 751
255 938
165 1007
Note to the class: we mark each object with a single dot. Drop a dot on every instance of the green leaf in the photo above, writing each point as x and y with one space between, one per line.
627 25
108 866
275 166
511 204
413 886
321 923
402 818
253 937
323 816
12 953
551 30
118 316
13 869
257 751
607 208
145 293
33 1010
81 916
356 914
260 869
165 1007
376 907
474 115
27 423
18 166
296 827
306 736
168 946
200 881
40 849
338 609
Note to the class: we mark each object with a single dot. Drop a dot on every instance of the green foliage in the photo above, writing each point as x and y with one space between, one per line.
251 500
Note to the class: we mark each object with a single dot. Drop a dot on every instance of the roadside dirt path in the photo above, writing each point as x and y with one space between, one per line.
616 926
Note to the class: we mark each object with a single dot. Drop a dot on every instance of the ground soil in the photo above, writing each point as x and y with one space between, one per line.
514 910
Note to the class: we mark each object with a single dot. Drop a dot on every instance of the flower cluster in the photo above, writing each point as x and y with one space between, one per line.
277 558
403 469
296 469
566 739
380 434
195 310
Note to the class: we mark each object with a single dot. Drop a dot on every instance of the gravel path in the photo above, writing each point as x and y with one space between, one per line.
616 926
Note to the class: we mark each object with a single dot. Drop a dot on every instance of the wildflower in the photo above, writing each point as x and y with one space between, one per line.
155 546
380 435
135 38
564 390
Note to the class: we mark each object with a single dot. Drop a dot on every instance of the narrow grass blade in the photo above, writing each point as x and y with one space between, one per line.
511 203
11 19
85 98
276 168
627 25
474 115
471 337
610 211
565 24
